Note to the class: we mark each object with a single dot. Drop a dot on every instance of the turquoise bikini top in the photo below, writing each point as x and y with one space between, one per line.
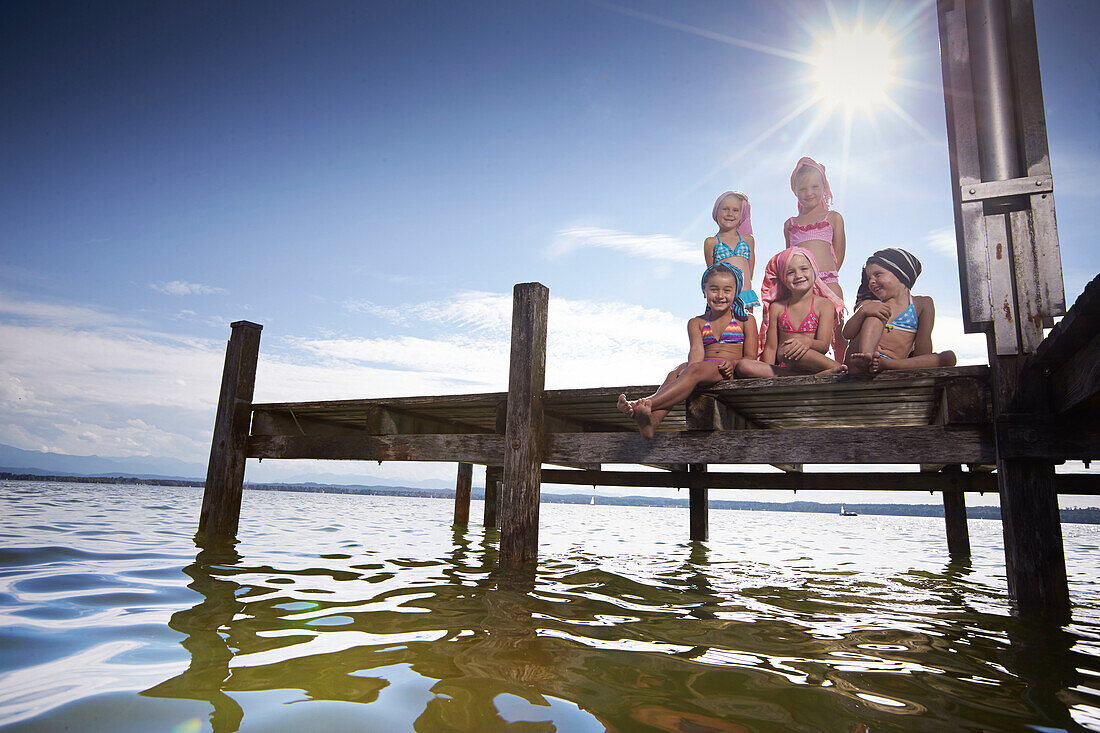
906 320
722 250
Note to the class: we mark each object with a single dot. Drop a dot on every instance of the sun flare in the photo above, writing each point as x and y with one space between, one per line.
854 70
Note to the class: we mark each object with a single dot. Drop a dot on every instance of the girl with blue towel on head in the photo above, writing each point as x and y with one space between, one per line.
733 245
892 328
717 340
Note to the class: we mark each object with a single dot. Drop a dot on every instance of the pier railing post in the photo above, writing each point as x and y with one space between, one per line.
462 493
221 499
524 437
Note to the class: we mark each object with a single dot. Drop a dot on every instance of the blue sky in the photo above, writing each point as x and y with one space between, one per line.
368 181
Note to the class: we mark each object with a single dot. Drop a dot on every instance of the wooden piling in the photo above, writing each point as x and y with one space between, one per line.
954 517
221 499
524 439
701 414
491 514
1035 562
462 493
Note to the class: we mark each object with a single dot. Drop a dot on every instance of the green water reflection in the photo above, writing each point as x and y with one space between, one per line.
452 643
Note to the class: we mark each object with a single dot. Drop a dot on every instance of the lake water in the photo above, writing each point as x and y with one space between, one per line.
356 613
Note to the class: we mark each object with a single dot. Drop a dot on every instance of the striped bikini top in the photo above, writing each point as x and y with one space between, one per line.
906 320
722 250
808 325
733 334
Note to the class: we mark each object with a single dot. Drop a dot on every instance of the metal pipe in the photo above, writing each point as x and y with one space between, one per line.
991 75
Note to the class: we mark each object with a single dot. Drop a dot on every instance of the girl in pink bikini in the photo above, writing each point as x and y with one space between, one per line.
817 228
718 339
794 294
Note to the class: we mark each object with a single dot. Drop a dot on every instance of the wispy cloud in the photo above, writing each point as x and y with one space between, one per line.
55 313
182 287
942 241
644 246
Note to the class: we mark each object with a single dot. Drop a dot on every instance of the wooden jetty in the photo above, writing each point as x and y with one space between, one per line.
1008 424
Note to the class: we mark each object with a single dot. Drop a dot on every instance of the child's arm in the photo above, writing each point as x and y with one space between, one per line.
695 339
926 319
708 250
771 343
752 338
787 233
840 244
752 260
826 323
866 309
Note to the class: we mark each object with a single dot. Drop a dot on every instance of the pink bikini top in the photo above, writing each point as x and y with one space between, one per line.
819 230
808 325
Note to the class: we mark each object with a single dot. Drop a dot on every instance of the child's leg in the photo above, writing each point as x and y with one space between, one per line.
814 362
926 361
627 406
750 368
865 345
839 325
650 411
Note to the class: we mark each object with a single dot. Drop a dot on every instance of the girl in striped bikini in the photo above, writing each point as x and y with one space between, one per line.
793 293
717 340
892 328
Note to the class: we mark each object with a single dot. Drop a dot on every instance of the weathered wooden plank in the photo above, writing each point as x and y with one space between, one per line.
818 481
698 523
463 485
1073 332
929 444
954 517
525 441
1025 436
448 448
221 498
1076 384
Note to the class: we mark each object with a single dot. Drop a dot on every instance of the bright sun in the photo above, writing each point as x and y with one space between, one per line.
854 70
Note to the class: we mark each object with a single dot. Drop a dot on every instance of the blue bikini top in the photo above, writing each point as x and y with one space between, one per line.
722 250
906 320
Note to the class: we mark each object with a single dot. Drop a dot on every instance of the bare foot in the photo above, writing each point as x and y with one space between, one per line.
838 369
947 358
859 362
642 416
625 406
879 363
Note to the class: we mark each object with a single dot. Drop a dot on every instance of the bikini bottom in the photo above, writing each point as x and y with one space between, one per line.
829 276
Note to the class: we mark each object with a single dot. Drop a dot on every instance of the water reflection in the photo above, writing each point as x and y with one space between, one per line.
693 643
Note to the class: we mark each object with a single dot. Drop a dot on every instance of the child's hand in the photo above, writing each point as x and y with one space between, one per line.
794 349
875 309
725 368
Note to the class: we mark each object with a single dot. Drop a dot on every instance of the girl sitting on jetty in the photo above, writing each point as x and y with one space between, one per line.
891 328
717 340
793 293
733 216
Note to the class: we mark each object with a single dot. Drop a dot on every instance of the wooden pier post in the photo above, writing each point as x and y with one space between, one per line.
491 513
221 498
524 437
954 517
462 493
1009 264
701 413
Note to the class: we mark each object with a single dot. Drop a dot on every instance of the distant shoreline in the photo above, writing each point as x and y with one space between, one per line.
1087 515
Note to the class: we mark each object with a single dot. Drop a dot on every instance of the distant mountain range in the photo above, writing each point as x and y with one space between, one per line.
16 460
44 463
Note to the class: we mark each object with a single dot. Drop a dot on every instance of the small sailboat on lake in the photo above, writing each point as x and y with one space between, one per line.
846 513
